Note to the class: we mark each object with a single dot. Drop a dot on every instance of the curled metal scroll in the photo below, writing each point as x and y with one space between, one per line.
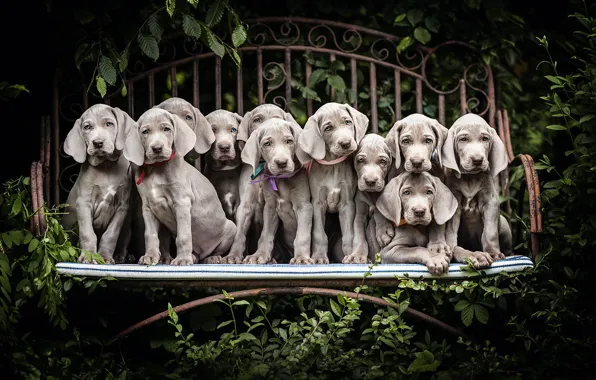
271 75
286 29
349 36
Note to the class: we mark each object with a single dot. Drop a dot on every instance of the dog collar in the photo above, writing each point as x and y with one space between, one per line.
308 165
142 176
402 221
271 178
258 170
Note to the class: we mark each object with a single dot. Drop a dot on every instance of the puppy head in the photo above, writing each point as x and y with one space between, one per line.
224 125
159 133
98 134
415 195
276 143
253 120
334 128
194 119
372 162
418 139
473 146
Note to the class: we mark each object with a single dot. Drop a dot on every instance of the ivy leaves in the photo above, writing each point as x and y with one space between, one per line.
111 62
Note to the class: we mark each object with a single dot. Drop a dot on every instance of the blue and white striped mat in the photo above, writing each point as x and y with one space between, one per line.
202 272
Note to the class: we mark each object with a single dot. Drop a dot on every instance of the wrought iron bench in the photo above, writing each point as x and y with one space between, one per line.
284 56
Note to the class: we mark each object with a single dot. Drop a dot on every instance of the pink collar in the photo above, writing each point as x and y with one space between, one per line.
308 165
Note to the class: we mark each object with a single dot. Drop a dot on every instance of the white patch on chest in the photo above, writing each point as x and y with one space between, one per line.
333 199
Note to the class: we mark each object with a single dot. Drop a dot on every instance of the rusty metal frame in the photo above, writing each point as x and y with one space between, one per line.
297 291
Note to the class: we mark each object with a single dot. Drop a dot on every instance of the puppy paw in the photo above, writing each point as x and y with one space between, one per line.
109 260
385 234
301 260
257 259
231 259
496 255
355 258
320 260
439 249
83 259
211 260
183 260
438 264
479 259
149 259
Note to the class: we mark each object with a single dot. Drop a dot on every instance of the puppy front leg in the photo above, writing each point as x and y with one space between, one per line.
109 239
319 237
347 213
452 228
244 216
266 241
304 214
152 225
415 255
87 236
360 251
437 244
182 209
490 232
384 229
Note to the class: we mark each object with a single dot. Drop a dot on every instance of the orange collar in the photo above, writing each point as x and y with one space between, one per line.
402 221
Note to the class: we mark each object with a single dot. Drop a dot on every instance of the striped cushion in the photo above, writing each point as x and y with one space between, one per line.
280 271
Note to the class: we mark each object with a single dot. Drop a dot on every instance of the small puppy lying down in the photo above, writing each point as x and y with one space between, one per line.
413 201
174 193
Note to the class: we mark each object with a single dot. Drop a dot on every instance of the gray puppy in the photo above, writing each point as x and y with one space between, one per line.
474 155
411 201
173 193
99 199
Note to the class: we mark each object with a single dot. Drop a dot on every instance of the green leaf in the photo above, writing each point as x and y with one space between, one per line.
241 302
7 240
68 285
432 24
414 16
16 237
171 7
191 26
422 35
107 70
16 206
213 42
148 45
467 315
307 93
238 35
481 314
223 324
83 53
404 44
462 304
556 128
425 362
123 90
100 84
194 3
335 308
337 66
172 314
336 82
553 79
123 63
155 27
215 13
399 19
317 76
586 118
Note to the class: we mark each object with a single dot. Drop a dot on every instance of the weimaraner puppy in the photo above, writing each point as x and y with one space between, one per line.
174 193
285 189
329 137
372 162
412 201
249 214
224 162
99 200
474 155
196 121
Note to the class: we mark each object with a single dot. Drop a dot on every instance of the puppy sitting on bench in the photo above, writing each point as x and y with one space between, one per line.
411 201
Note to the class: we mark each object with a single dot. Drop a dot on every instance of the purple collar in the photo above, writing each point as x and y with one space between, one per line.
272 178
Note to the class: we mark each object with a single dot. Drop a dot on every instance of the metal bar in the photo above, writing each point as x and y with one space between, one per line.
174 81
260 75
331 60
195 82
373 98
217 83
507 133
309 110
491 97
419 95
354 77
397 94
239 90
34 226
40 200
288 68
46 159
442 109
151 90
56 138
462 97
131 99
85 100
293 291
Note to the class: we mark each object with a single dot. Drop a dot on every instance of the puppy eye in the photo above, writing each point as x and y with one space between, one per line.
405 141
267 143
86 126
428 141
360 159
234 130
407 192
289 141
463 139
256 120
145 132
109 124
167 129
429 192
485 138
188 117
383 161
328 128
348 122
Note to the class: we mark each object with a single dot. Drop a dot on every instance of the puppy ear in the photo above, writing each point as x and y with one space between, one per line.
288 117
392 141
302 156
125 124
237 117
204 134
389 202
498 156
360 122
184 137
133 147
448 153
74 145
251 154
445 203
243 130
441 135
311 141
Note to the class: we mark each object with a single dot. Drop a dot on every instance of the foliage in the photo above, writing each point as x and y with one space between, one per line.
11 91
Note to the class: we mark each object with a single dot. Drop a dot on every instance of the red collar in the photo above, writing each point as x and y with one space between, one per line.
142 176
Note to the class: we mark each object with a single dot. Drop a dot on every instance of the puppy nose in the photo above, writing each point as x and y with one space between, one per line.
281 163
416 161
224 147
370 182
98 143
157 148
419 212
345 144
477 160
